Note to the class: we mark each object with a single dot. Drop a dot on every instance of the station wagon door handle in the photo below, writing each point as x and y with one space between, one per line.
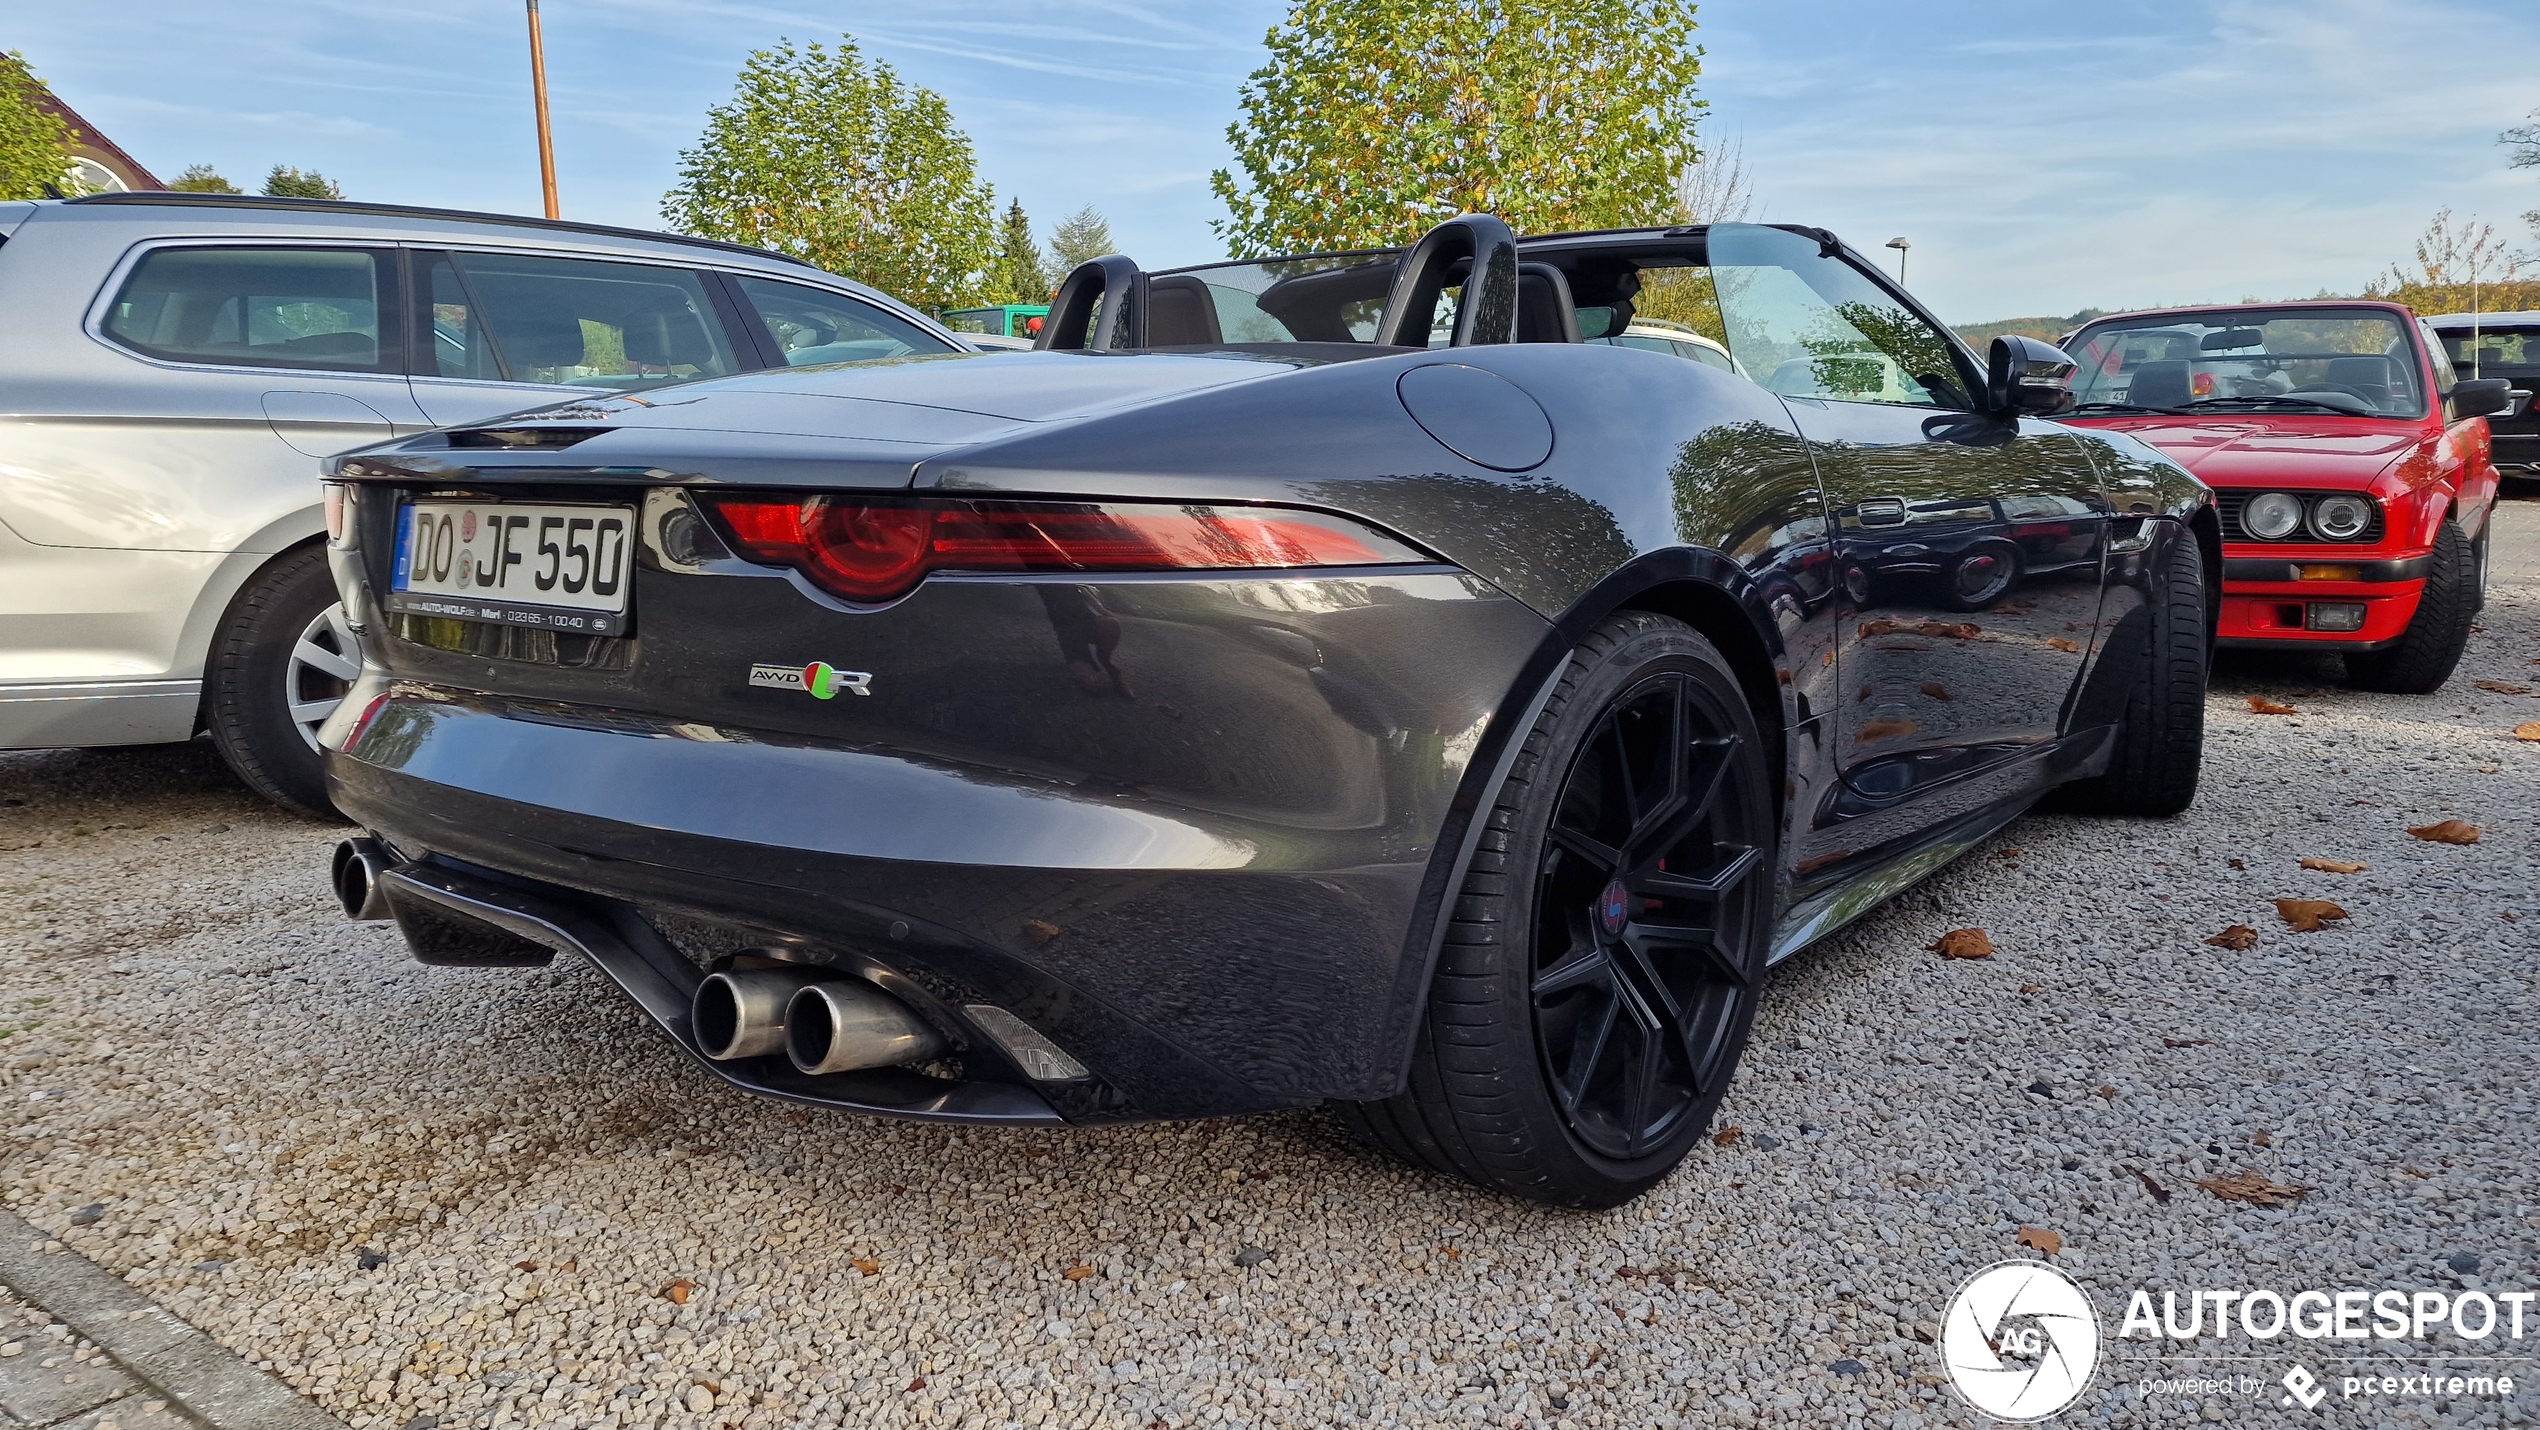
1881 511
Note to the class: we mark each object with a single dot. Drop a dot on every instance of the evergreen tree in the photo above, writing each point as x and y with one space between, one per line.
1019 276
289 183
202 179
1079 238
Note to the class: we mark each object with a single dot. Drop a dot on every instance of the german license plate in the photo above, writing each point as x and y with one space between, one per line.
555 567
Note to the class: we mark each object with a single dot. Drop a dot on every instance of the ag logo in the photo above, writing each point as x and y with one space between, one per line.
2019 1340
820 679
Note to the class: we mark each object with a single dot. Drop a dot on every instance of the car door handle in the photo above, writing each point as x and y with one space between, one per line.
2138 539
1880 511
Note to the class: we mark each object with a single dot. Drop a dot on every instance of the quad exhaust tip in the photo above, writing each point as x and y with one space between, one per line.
821 1022
358 865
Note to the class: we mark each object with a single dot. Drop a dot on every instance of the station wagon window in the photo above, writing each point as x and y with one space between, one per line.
572 322
811 326
261 307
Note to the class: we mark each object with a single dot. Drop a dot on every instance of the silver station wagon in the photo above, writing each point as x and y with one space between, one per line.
176 364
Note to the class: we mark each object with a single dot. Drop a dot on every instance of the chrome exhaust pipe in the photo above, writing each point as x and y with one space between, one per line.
358 865
740 1012
841 1026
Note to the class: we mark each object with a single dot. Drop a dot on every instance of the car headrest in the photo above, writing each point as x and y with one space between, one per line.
668 337
1545 313
2364 372
2161 384
1180 313
540 335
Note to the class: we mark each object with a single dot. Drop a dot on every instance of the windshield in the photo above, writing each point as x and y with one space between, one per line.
2357 362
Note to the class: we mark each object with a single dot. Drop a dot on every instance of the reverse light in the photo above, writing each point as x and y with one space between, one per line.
2340 518
2272 517
874 549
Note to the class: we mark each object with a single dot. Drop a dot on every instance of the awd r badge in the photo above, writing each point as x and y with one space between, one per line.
820 678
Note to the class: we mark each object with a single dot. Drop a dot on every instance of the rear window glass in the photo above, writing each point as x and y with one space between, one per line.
2491 347
812 326
261 307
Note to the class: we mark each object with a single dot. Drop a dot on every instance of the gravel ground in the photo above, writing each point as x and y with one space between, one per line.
491 1198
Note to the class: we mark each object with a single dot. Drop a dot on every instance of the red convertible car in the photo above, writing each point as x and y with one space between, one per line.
2350 461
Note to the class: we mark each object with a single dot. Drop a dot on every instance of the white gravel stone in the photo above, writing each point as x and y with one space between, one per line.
460 1194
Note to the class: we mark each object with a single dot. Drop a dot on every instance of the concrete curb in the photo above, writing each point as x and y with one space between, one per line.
152 1346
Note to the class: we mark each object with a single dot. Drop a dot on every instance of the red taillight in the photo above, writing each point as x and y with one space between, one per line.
875 549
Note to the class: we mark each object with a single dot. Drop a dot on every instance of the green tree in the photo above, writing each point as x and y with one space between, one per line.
202 179
35 143
2459 268
289 183
844 165
1376 118
1019 276
1079 238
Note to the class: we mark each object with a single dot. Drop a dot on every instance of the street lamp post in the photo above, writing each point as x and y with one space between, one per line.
538 86
1900 245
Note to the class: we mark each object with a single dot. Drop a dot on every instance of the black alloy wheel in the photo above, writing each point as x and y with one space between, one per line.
1604 954
1637 997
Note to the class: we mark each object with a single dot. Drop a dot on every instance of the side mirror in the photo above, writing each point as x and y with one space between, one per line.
2481 397
2028 378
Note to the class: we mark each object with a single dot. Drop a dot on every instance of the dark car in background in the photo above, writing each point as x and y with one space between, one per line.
2351 462
2480 346
1323 679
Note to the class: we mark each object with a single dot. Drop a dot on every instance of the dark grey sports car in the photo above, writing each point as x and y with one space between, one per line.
1322 680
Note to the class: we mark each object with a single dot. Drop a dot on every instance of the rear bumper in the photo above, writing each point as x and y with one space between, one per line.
2267 603
1202 951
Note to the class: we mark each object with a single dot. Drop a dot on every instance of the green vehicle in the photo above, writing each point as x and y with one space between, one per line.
1005 320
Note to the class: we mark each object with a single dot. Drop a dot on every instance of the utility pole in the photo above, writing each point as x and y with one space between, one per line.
538 85
1900 245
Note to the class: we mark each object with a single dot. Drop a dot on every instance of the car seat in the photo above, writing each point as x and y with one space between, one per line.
668 337
1545 312
1180 313
2164 383
2367 375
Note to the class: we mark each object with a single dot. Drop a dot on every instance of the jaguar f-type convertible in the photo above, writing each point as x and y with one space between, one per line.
1334 679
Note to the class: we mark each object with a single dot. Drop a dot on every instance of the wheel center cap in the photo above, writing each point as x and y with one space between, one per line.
1614 908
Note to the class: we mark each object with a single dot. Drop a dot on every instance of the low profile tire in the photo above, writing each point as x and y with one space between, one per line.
1600 972
2422 658
2160 747
280 665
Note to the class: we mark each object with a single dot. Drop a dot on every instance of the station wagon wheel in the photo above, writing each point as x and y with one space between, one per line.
1637 994
324 662
1602 958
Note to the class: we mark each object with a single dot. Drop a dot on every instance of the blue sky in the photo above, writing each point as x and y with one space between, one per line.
2040 157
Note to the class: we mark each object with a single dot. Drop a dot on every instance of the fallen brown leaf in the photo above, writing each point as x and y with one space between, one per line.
2502 687
2262 1138
2248 1186
2235 938
1937 691
1826 660
1727 1135
1040 929
677 1292
2159 1192
1077 1272
2038 1238
1880 628
2527 730
2187 1042
1953 630
1963 943
2307 915
2008 853
917 1384
2236 864
524 1266
1884 730
2334 866
2450 831
2059 643
1449 1251
2420 1176
2032 988
869 1265
2105 1092
2260 705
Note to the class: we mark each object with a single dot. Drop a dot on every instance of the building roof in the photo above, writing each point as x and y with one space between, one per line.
97 148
